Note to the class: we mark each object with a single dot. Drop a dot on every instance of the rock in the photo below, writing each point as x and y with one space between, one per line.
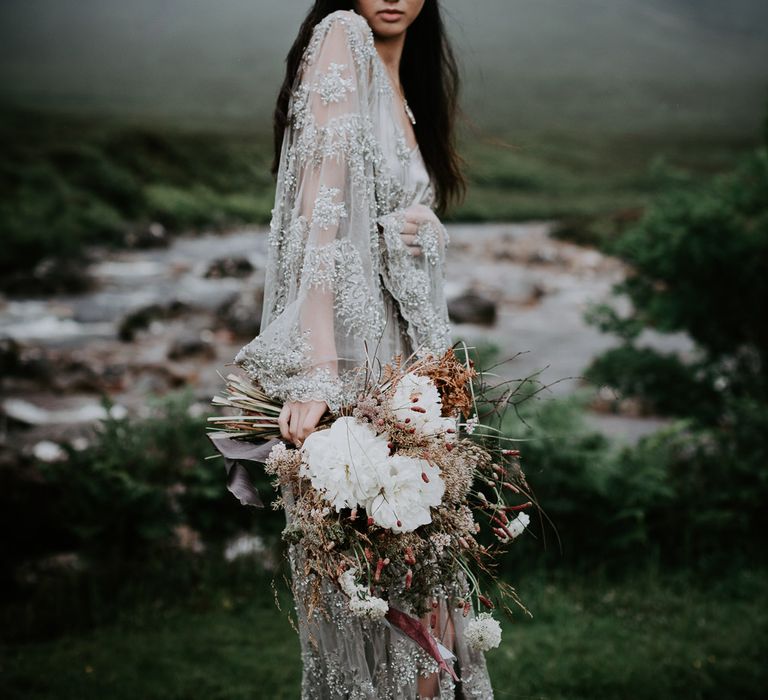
141 318
229 267
472 308
190 345
69 412
49 451
10 357
51 276
241 313
152 236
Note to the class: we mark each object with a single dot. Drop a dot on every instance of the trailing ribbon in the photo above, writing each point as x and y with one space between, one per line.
235 452
414 629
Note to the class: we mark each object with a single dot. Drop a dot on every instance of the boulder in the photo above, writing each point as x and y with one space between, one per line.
472 308
229 267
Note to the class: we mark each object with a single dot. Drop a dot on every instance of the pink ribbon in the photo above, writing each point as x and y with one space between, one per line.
414 629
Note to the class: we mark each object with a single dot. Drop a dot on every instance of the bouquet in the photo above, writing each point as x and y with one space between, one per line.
392 494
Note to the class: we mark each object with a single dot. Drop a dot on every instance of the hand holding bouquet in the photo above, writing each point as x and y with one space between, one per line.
392 494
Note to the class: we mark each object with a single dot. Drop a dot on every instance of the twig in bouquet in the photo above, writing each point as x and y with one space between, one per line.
366 383
506 403
277 601
357 546
499 406
475 584
509 591
487 370
523 490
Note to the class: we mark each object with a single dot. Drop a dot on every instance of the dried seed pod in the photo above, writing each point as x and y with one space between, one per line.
485 601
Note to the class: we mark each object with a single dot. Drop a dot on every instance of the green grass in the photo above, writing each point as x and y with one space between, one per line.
645 637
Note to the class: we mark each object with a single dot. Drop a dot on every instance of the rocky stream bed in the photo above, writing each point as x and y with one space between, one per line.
164 318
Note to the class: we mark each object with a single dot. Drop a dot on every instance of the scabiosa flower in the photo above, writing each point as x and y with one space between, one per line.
483 633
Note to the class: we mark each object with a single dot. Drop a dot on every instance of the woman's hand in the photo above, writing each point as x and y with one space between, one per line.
298 419
415 216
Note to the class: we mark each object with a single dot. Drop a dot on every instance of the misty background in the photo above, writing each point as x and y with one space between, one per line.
621 65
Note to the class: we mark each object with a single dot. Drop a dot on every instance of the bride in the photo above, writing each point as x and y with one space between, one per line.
365 157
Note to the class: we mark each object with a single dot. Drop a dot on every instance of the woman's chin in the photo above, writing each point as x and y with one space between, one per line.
387 29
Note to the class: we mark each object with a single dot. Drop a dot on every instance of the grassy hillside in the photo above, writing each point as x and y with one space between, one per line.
71 182
146 111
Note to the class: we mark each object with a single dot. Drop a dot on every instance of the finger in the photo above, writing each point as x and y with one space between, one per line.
409 239
312 419
283 421
306 427
295 422
414 250
411 226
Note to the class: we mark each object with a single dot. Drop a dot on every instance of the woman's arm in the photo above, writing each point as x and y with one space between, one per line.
319 276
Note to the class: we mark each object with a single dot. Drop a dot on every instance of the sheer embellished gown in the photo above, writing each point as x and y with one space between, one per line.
343 292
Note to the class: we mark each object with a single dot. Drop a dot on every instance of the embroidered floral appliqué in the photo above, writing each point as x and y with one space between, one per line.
326 212
332 86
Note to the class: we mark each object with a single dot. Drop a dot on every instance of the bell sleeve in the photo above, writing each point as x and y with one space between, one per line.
320 288
418 282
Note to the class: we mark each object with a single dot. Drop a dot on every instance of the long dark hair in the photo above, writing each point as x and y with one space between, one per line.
429 76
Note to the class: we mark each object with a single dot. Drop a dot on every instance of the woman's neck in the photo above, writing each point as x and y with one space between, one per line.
390 50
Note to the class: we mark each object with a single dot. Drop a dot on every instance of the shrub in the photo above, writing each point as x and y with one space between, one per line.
123 496
698 265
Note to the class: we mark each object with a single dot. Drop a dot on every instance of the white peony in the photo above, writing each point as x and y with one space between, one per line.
346 462
404 499
416 390
350 465
483 633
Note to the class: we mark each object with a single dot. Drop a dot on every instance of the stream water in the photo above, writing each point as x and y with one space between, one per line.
540 288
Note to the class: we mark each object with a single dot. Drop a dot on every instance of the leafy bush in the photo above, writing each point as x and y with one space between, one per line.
123 496
68 183
666 384
698 265
683 497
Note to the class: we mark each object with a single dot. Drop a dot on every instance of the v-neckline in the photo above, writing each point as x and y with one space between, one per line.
396 96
